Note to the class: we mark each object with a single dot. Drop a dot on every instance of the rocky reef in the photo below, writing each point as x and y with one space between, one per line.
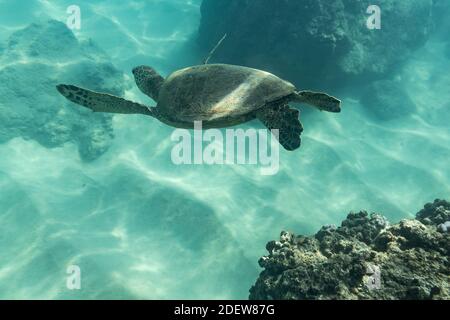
32 62
364 258
315 41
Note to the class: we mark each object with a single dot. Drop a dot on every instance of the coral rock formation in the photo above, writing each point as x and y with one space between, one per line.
364 258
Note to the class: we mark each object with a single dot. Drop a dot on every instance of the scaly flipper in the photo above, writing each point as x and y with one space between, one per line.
321 101
102 102
285 119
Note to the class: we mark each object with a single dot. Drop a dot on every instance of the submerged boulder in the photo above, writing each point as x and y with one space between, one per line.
33 61
315 41
364 258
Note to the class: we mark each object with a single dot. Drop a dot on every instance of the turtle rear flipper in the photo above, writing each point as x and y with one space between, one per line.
285 119
101 102
321 101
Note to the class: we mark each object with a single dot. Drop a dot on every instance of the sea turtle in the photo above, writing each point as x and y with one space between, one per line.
218 95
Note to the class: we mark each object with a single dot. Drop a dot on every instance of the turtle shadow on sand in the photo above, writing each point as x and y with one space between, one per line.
218 95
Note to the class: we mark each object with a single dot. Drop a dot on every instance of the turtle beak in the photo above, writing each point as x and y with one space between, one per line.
61 88
136 70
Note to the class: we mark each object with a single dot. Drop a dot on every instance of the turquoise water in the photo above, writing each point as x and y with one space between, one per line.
102 193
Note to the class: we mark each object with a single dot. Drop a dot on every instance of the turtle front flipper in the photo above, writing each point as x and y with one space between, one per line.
101 102
321 101
285 119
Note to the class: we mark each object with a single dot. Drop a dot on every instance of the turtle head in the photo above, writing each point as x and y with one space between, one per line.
148 81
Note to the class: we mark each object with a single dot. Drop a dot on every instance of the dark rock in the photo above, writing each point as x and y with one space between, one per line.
364 258
362 226
436 213
314 42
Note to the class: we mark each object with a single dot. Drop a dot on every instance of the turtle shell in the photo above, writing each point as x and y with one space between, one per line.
218 92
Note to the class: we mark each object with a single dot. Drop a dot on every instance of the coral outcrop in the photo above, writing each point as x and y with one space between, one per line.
32 62
364 258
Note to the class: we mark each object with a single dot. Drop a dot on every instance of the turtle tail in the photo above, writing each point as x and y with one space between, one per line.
321 101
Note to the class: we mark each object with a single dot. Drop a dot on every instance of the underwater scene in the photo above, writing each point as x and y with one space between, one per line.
258 149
